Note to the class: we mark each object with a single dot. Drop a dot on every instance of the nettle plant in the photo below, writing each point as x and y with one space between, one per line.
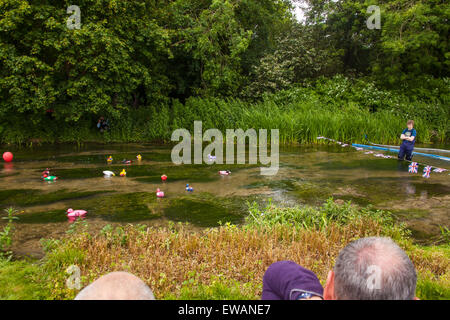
7 233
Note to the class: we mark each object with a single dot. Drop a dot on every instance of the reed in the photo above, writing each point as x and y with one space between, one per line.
300 121
300 114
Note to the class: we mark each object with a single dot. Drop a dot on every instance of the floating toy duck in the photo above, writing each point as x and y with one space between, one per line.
139 157
110 159
108 173
163 177
225 173
188 188
123 173
45 173
159 193
75 213
50 178
211 158
126 161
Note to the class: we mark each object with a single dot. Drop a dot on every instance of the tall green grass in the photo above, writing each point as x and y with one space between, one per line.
299 122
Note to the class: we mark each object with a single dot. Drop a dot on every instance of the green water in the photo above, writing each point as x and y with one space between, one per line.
307 175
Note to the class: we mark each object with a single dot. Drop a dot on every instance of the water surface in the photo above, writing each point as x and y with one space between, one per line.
307 175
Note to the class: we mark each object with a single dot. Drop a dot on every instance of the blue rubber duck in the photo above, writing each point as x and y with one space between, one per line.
188 188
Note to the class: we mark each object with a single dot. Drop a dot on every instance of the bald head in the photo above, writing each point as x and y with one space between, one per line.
374 269
116 286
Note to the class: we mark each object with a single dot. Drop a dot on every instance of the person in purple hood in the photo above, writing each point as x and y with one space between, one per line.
286 280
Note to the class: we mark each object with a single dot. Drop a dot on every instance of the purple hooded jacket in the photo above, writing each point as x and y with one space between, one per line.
286 280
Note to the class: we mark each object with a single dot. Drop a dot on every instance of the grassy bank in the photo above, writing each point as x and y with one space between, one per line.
220 263
337 108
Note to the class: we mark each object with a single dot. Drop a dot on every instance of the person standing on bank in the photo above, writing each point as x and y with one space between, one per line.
409 139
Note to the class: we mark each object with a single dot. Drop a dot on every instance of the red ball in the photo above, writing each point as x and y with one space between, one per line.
8 156
163 177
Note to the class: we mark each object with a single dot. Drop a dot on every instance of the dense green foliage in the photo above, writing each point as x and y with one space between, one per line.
412 40
140 62
328 107
126 54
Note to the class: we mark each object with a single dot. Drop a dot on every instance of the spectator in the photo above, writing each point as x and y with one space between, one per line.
116 286
286 280
372 269
366 269
102 124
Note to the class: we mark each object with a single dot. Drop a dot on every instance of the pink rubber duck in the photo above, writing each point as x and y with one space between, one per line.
159 193
75 213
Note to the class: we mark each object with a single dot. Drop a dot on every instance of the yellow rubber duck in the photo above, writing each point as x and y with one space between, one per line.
123 173
110 159
139 157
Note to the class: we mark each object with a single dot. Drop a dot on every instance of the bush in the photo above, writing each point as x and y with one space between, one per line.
339 108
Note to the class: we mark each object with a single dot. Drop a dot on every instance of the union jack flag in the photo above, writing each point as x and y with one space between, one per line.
426 172
413 167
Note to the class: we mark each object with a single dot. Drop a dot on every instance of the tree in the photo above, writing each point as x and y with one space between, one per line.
299 56
114 62
413 39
